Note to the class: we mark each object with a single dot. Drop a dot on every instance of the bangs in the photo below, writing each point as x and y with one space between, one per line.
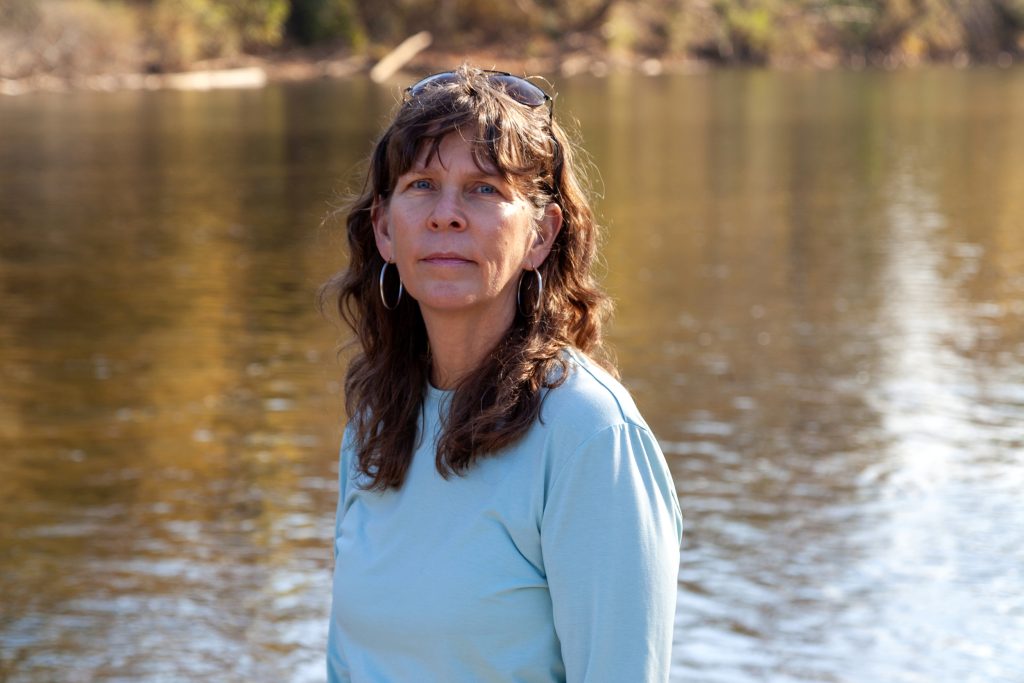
503 138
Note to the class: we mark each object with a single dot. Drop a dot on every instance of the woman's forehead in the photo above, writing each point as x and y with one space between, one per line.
451 148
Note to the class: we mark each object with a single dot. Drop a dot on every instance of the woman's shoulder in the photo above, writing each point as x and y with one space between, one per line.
589 397
590 425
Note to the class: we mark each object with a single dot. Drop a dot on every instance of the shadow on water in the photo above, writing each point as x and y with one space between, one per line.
820 295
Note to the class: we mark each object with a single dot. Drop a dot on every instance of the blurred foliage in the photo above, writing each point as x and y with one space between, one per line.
90 35
179 32
318 21
64 38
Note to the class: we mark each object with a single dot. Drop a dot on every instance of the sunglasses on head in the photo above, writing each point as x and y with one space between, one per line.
519 89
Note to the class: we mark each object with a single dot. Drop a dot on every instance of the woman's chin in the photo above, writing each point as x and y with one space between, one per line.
443 296
448 305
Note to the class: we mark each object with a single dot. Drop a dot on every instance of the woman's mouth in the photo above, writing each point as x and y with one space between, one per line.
446 259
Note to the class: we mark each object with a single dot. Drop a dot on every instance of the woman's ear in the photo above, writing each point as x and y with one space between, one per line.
381 229
547 230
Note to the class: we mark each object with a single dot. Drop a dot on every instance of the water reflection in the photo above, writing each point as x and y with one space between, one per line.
820 289
948 480
167 394
805 274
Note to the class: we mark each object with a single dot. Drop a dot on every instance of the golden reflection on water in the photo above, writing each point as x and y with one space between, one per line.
820 281
169 408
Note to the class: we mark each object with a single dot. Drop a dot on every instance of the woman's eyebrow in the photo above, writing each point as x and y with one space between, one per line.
481 173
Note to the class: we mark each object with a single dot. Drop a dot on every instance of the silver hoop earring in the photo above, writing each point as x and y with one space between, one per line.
383 299
540 293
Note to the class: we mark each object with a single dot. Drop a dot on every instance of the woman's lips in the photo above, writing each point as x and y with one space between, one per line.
446 259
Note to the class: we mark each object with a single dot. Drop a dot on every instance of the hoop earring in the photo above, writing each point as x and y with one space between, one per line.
540 293
401 289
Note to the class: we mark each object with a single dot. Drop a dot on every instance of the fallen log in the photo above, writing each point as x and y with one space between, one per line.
400 56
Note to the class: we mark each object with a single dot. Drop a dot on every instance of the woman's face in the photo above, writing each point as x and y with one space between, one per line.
461 236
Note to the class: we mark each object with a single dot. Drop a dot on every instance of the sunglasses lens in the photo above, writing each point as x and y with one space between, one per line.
436 79
522 91
519 89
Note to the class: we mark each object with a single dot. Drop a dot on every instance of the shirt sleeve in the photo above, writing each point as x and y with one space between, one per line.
610 537
344 465
337 666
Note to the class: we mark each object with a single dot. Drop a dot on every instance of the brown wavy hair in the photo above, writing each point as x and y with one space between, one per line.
495 404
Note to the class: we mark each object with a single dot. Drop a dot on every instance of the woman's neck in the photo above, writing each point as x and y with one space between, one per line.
459 344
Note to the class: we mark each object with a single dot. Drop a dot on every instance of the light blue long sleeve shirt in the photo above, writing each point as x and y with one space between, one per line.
554 560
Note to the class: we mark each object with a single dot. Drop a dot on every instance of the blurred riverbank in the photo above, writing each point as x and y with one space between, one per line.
55 45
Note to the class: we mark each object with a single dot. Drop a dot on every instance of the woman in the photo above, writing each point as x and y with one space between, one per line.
504 512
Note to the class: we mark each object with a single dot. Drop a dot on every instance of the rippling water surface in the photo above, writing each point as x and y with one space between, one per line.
820 287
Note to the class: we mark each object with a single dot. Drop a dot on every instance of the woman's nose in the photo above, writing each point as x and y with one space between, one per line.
447 213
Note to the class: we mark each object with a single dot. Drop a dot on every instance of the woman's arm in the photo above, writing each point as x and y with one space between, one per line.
610 537
337 667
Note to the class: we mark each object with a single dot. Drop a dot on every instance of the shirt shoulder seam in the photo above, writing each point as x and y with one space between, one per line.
587 441
582 362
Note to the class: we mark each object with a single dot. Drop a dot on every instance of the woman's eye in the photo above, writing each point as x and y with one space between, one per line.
420 184
487 189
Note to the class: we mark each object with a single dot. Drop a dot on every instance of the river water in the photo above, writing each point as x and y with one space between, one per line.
820 290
